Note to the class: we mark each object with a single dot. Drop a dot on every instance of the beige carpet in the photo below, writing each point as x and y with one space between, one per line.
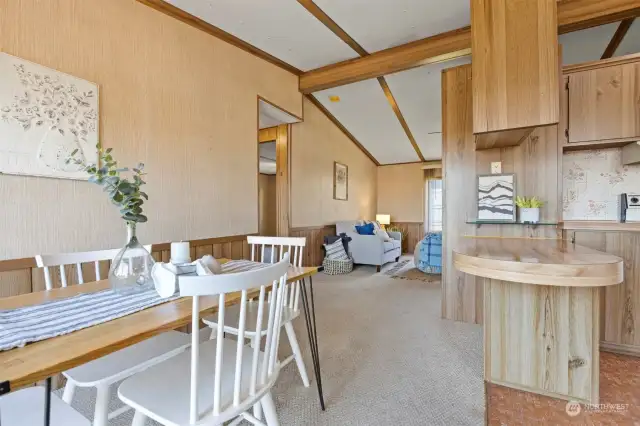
386 356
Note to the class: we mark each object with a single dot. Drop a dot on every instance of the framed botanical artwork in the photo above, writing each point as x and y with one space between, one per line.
496 197
340 181
45 115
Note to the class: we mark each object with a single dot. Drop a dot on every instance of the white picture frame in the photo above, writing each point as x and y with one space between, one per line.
44 116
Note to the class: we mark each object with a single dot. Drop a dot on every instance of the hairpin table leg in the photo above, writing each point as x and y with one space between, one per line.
47 402
310 319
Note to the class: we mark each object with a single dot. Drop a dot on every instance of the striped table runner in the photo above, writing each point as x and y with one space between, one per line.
58 317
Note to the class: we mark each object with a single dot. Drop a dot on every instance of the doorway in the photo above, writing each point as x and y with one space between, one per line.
274 135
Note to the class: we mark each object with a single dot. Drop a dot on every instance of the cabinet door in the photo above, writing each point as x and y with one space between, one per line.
604 104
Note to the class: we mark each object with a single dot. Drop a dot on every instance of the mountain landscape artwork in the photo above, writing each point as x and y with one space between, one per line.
496 197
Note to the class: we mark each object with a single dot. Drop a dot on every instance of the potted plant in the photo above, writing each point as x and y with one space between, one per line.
529 209
131 268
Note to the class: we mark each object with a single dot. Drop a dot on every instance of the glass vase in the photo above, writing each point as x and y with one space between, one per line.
130 270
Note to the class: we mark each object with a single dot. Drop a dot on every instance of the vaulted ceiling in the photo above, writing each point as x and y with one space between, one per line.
396 118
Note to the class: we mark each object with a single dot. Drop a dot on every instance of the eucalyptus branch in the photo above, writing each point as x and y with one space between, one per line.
122 192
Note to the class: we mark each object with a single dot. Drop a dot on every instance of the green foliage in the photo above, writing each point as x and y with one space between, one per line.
394 228
528 203
122 191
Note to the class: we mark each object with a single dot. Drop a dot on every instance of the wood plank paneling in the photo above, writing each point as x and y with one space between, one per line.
13 283
31 279
542 338
461 293
282 181
313 252
413 232
621 315
536 164
515 73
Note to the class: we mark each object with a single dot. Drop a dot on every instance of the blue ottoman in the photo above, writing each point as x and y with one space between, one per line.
428 253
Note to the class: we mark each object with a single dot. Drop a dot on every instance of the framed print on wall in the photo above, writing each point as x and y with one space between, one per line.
496 197
340 181
45 115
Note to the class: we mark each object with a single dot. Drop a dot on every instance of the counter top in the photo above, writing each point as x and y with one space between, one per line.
600 225
537 261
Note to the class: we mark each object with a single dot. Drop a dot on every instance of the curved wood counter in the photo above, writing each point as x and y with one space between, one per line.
542 261
541 312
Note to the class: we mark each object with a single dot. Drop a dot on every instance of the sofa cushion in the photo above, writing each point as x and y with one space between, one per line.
367 229
335 251
391 245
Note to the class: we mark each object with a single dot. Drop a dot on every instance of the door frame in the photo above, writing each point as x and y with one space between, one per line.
283 173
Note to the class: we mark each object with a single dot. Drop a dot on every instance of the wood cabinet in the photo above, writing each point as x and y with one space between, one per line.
621 303
604 104
515 67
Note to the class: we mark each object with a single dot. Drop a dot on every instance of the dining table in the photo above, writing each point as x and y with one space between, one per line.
42 360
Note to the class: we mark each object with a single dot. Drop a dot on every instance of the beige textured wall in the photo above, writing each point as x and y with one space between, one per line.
401 192
315 145
267 204
174 97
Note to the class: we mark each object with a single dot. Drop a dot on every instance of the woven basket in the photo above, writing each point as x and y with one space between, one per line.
337 267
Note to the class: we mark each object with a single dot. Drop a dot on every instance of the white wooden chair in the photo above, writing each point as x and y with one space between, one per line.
26 407
103 372
219 380
268 250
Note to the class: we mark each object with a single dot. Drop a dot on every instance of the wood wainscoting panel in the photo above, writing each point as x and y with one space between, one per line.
542 338
313 252
621 303
412 233
27 277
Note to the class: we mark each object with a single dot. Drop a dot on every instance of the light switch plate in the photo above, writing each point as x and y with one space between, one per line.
496 167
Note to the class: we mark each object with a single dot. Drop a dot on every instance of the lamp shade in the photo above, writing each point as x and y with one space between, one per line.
383 219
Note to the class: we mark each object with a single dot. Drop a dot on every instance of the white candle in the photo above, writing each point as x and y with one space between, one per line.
180 252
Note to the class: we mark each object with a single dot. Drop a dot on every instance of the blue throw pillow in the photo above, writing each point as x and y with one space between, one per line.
365 229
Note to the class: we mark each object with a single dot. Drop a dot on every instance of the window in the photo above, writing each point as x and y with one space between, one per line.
435 206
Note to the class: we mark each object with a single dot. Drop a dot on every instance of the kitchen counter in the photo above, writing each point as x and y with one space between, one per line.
537 261
541 312
599 225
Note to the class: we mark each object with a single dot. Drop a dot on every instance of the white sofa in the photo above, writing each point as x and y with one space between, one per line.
370 249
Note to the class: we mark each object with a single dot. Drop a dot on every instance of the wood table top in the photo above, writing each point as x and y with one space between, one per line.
39 360
537 261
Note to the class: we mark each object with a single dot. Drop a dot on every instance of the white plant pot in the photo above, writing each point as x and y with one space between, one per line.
530 215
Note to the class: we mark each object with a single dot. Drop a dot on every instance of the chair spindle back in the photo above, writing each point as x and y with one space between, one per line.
276 248
47 261
264 367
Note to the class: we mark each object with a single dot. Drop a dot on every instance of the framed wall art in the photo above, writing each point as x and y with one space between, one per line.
496 197
340 181
45 115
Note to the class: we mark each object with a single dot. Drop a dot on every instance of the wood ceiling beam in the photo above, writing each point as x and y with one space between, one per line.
332 25
396 110
339 125
573 15
321 16
267 135
617 38
187 18
439 48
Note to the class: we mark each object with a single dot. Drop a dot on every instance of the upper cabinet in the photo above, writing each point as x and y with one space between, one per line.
515 67
604 104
